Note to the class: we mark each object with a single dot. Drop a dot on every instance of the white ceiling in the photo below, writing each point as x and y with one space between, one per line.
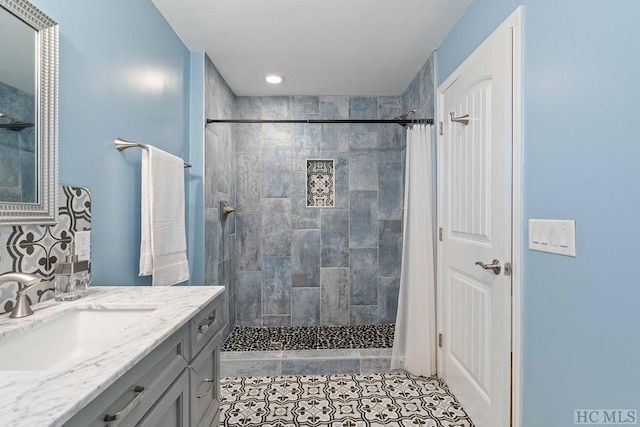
322 47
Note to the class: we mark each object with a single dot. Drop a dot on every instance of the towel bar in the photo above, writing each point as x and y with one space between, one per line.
123 144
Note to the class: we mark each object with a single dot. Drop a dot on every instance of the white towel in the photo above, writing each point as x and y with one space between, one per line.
163 247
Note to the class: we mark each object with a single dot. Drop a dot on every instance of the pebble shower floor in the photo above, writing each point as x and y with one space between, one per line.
345 400
245 338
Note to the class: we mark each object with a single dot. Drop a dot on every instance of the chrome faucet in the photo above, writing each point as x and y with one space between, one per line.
25 281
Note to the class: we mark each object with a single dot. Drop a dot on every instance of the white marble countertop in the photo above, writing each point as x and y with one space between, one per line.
51 397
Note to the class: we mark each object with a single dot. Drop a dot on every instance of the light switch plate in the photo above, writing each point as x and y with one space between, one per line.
553 236
83 245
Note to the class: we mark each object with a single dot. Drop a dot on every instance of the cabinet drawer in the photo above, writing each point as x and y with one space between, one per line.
204 374
172 410
126 401
208 322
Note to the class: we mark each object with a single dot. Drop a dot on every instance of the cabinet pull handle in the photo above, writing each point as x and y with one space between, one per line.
207 323
206 380
139 391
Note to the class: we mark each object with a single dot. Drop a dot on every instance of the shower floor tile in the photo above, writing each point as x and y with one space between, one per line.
352 400
244 338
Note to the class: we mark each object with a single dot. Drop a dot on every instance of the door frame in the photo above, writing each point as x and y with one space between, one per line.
514 24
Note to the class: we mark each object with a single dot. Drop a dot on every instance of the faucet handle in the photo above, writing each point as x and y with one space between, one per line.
25 282
29 281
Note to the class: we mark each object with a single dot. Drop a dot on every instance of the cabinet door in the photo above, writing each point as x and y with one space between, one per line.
172 410
204 372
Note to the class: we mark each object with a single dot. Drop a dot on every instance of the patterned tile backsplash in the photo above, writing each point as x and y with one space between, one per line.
36 249
321 184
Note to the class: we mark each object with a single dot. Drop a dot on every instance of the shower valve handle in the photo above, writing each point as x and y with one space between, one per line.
495 266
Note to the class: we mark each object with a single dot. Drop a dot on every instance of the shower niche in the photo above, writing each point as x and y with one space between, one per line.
321 184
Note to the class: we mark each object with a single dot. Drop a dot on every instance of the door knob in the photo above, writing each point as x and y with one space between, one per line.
495 266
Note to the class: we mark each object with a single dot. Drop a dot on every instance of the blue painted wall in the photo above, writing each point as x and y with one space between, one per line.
123 73
581 322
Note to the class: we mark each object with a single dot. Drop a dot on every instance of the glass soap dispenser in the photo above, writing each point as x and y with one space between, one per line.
71 277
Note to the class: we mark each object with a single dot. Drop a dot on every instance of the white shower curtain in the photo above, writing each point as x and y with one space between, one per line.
414 347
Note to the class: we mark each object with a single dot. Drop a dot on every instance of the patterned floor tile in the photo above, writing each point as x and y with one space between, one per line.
345 400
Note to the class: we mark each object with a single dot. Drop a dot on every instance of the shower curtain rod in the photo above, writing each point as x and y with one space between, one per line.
402 122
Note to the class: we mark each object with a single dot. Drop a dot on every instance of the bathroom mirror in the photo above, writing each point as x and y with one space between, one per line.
28 114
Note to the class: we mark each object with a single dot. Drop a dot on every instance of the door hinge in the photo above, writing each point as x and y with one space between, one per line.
441 128
439 340
507 269
440 234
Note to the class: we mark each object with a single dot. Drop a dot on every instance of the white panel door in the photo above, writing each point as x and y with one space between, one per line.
476 221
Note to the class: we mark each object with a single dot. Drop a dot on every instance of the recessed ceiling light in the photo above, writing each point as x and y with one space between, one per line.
273 79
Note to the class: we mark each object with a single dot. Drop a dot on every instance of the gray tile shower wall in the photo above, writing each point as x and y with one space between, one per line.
300 265
36 249
219 185
420 95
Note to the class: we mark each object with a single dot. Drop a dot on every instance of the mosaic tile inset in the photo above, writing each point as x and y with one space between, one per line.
321 185
244 338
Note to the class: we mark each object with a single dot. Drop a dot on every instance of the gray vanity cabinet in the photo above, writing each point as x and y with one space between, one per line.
126 401
207 323
204 370
204 376
172 410
176 385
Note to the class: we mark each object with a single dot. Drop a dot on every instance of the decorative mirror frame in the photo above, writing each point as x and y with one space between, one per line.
45 211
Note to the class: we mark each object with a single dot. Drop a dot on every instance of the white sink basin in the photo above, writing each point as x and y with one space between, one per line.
66 338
